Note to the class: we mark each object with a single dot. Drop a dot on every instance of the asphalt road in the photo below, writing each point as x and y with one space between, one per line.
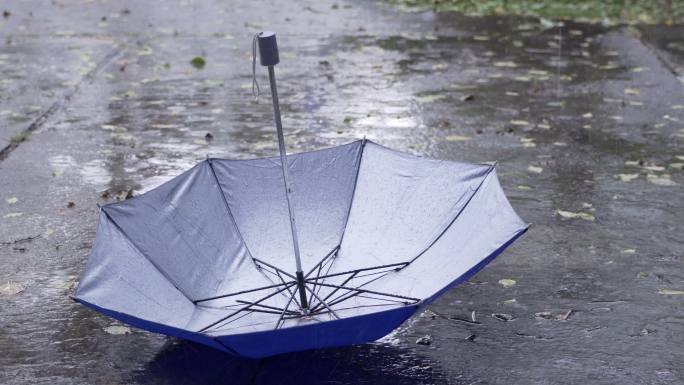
98 100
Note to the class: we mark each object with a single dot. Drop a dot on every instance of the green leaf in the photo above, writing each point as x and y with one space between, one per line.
198 62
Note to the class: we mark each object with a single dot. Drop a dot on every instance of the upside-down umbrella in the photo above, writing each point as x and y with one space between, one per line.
311 250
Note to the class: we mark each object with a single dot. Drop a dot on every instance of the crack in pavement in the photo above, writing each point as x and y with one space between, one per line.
60 102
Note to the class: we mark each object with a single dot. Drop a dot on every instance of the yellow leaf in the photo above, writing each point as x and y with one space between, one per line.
11 288
520 122
570 214
661 180
626 177
457 138
535 169
671 292
508 64
506 282
117 330
430 98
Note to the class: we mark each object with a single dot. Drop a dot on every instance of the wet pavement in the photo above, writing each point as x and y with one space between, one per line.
586 122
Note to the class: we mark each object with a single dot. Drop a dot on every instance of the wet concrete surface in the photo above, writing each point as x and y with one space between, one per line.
586 122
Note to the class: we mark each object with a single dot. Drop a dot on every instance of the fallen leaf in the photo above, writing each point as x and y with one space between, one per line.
628 251
671 292
653 167
149 80
503 317
145 51
642 274
538 72
580 215
627 177
662 180
563 316
424 340
431 98
632 91
544 315
214 82
588 115
162 126
12 200
510 301
11 288
198 62
117 330
508 64
64 285
520 122
535 169
523 187
13 215
506 282
528 142
457 138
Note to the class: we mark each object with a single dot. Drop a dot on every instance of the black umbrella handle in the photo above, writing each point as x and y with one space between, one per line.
268 57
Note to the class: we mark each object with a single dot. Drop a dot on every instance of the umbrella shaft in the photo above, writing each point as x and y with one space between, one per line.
288 188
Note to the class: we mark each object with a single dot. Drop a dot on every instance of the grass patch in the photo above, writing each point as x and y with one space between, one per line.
20 137
592 11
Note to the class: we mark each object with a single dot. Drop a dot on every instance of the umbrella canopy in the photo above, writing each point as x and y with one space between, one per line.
209 256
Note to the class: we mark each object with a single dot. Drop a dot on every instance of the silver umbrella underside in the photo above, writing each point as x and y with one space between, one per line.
211 251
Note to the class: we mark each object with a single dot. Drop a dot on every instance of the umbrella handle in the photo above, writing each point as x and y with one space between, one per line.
268 57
